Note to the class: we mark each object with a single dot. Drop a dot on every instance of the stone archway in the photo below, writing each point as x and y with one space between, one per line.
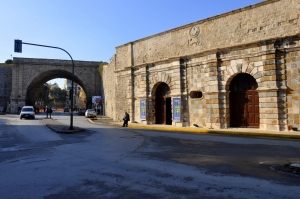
244 102
29 74
39 81
163 107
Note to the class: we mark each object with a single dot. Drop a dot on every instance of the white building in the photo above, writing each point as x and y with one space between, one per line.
76 88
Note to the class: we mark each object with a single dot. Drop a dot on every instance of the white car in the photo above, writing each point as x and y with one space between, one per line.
90 113
27 112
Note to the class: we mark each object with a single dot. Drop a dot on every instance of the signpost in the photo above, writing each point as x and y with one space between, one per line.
97 102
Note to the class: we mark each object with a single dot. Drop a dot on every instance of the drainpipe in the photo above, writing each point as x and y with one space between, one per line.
285 75
186 84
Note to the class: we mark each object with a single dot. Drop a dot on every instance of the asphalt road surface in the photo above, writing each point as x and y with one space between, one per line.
109 162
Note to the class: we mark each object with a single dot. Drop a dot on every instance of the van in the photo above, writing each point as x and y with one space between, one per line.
27 112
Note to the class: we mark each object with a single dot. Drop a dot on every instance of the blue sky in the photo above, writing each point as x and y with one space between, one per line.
91 29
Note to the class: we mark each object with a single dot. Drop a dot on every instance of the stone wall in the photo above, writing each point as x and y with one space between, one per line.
28 74
259 22
291 59
261 40
109 85
5 84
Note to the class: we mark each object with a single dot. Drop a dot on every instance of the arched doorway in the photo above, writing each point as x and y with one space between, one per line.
244 102
163 109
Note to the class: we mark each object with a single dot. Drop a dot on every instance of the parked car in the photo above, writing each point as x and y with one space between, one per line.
27 112
90 113
53 109
66 109
81 111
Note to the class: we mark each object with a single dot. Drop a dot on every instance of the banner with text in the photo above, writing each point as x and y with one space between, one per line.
176 109
143 109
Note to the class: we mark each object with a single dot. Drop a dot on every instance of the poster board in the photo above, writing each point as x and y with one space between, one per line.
176 109
143 109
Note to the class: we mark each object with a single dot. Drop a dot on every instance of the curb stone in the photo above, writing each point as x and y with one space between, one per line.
195 130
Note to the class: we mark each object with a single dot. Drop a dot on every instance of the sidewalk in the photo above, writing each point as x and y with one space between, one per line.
56 126
106 121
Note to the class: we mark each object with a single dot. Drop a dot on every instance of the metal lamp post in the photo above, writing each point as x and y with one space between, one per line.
18 49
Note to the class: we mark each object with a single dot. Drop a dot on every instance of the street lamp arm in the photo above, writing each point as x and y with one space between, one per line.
49 47
18 42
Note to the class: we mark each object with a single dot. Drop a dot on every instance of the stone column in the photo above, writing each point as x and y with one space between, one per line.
215 95
272 93
130 75
179 90
17 97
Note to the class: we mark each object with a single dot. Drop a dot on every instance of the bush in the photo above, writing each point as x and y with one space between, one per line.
9 61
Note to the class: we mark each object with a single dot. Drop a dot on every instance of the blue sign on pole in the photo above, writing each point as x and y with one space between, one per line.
176 109
143 109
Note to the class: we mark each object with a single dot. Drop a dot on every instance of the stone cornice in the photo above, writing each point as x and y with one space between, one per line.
214 51
35 61
204 20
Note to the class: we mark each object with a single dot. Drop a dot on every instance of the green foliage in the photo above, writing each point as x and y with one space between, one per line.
58 96
43 94
100 69
9 61
54 97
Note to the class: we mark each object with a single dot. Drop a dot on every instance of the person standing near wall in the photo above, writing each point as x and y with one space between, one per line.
50 111
126 118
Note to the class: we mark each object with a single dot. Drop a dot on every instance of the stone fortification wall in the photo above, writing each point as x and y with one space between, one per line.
5 84
260 40
28 74
124 95
109 85
54 62
275 71
263 21
117 92
290 59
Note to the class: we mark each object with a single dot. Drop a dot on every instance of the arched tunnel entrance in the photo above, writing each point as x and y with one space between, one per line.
37 85
29 75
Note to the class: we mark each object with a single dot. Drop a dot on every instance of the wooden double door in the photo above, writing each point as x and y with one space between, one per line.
244 102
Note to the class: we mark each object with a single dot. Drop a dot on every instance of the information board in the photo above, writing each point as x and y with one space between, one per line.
176 109
143 109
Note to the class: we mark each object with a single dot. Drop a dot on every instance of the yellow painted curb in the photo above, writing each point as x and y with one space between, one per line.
202 131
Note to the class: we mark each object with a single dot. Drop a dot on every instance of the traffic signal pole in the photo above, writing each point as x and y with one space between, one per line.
18 49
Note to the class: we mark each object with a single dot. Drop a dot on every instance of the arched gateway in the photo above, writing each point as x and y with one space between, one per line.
28 75
244 102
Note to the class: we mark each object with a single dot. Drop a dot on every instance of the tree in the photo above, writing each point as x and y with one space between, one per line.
100 69
58 96
43 95
9 61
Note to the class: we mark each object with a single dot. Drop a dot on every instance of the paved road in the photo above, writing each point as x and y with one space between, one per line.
107 162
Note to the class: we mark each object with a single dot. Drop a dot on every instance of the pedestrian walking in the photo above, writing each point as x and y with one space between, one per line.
50 111
126 118
46 110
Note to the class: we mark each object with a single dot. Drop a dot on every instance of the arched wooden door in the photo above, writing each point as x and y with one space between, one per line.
244 102
163 110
